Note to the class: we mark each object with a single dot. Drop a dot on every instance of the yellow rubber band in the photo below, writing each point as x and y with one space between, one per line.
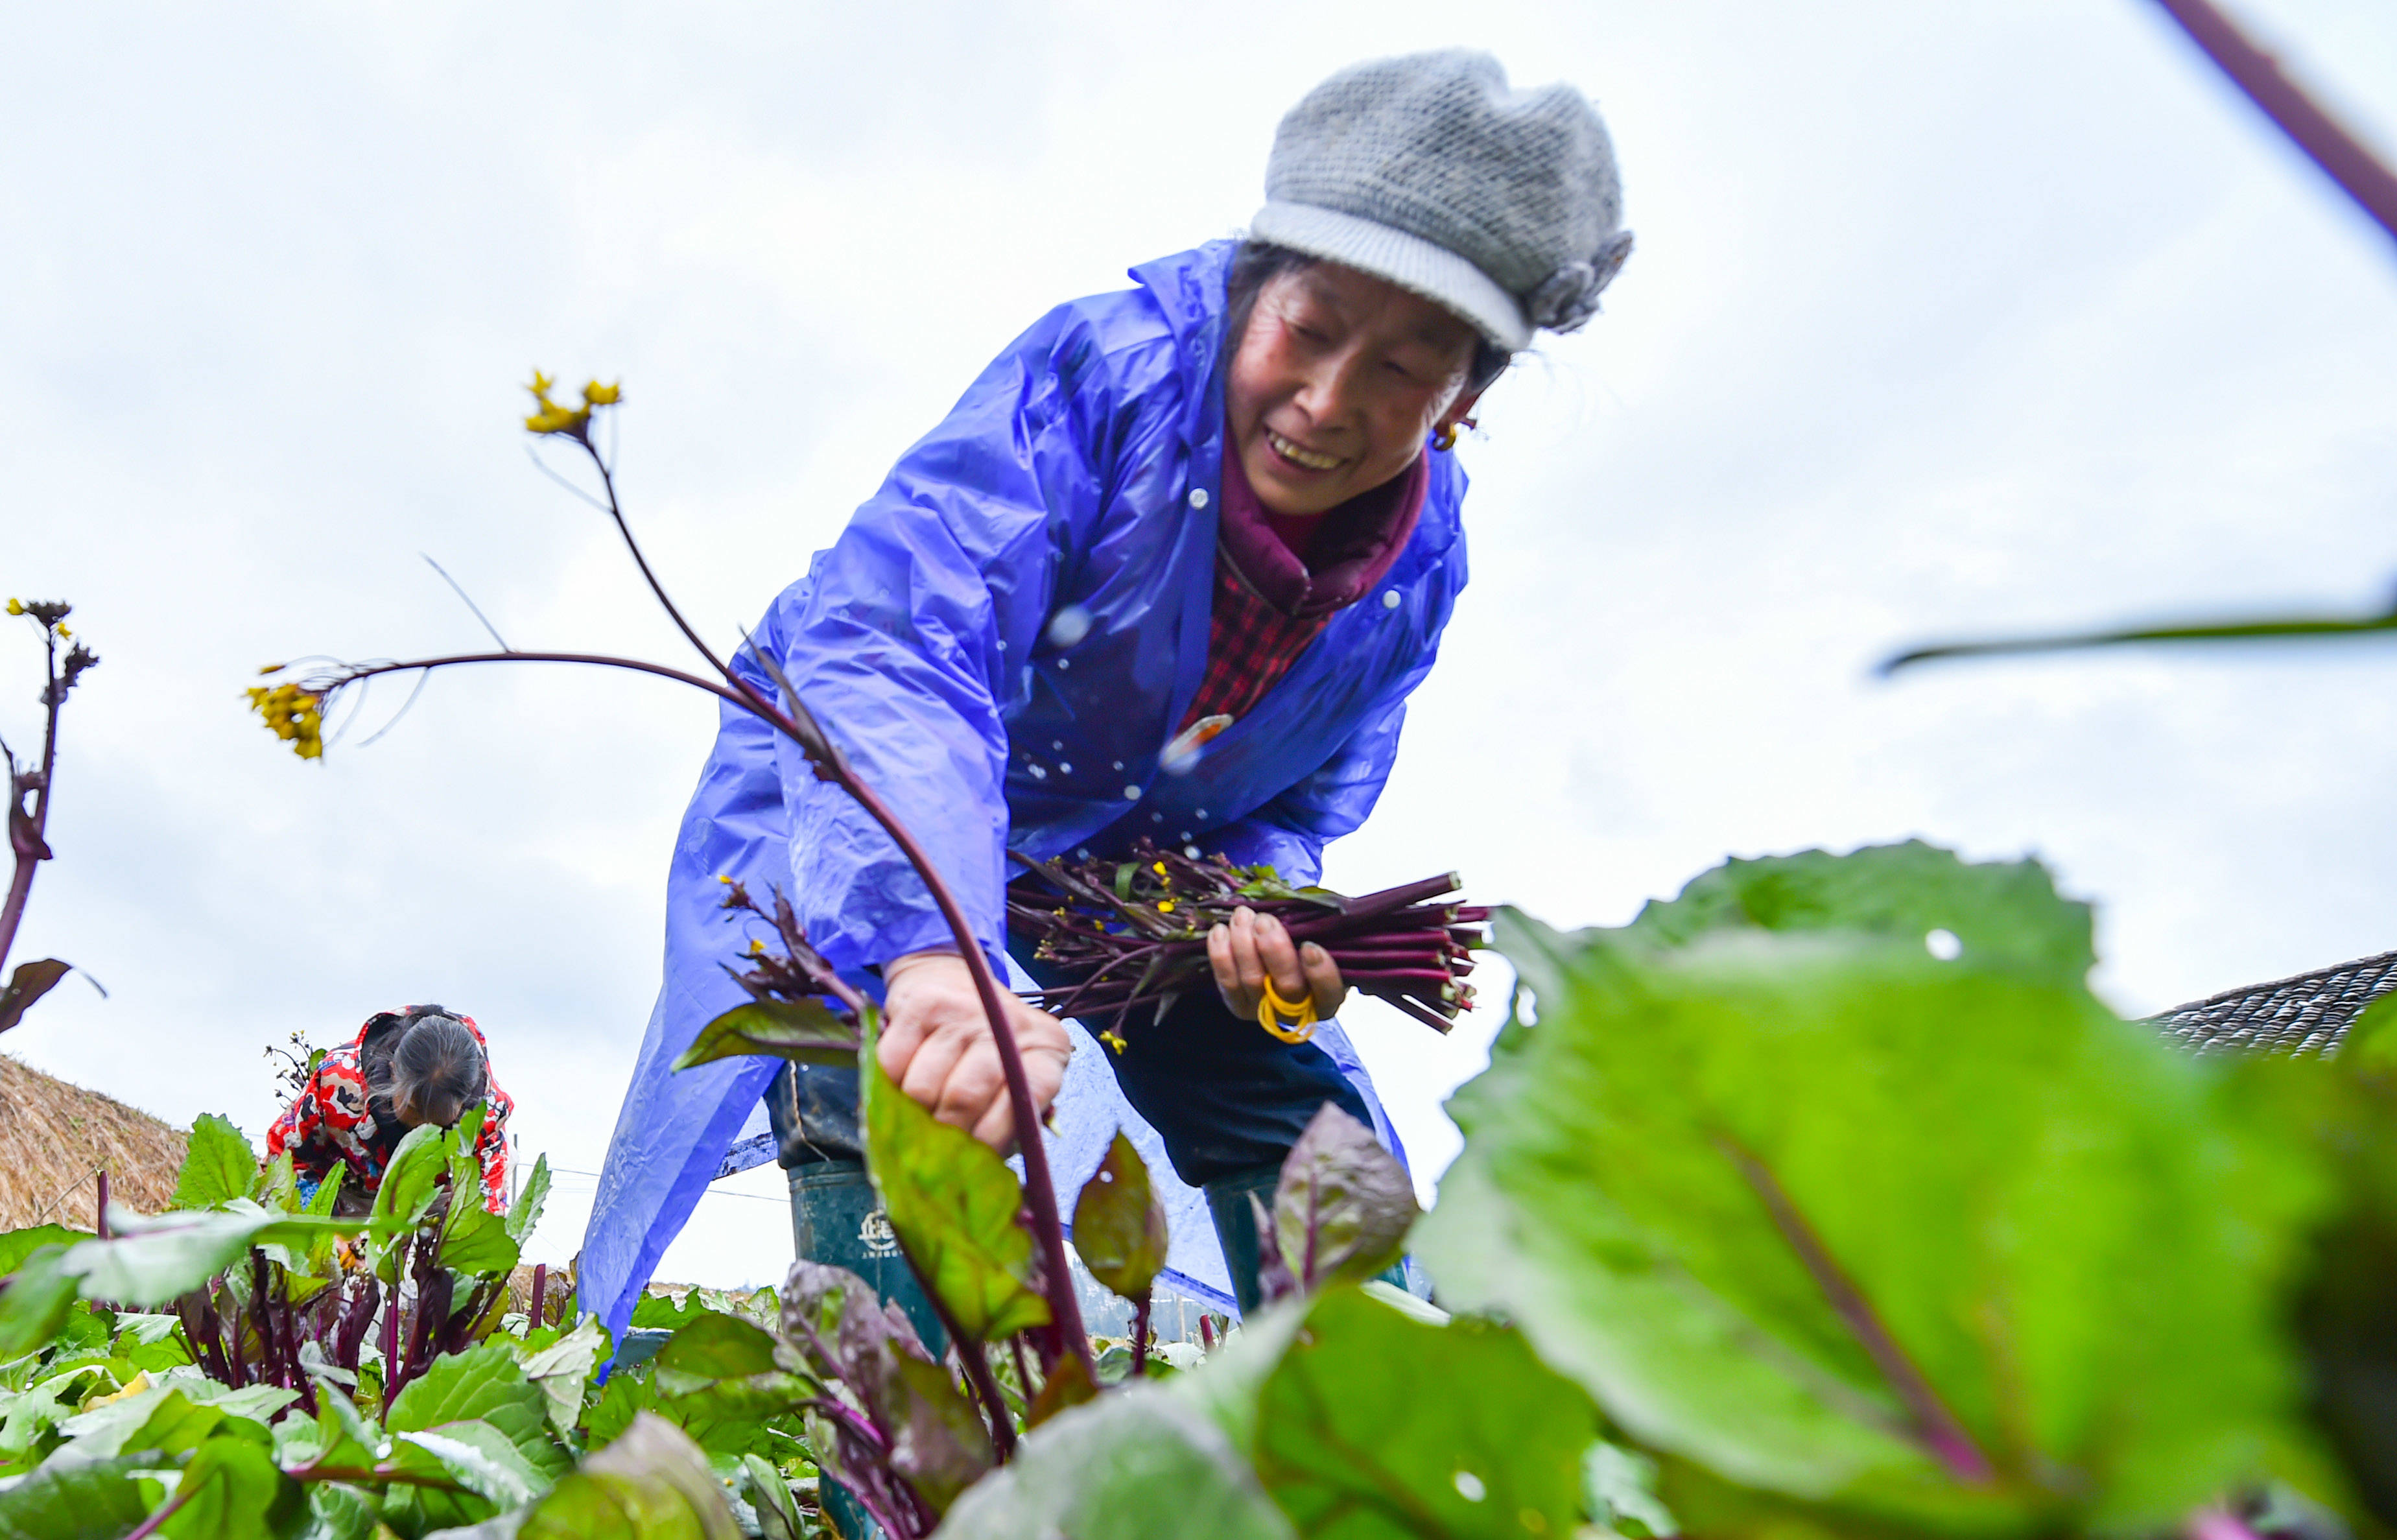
1272 1007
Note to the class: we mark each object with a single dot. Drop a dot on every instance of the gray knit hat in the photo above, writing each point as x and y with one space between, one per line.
1430 171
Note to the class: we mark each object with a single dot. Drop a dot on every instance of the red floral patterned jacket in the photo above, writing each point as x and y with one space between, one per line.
331 1121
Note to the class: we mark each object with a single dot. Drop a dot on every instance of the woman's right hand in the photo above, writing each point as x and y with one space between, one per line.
936 1044
1251 948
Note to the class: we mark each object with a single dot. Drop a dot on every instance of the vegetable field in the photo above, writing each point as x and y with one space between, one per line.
1779 1213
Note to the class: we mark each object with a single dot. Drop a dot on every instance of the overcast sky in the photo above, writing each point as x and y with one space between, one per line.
1944 319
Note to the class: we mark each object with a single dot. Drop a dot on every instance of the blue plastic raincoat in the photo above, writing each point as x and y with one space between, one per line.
1003 641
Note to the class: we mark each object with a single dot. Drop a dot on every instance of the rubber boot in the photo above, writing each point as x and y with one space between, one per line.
837 1218
1236 1227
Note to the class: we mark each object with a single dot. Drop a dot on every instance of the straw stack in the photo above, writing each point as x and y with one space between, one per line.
56 1137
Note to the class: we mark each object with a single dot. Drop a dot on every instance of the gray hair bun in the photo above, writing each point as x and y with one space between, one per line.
1430 171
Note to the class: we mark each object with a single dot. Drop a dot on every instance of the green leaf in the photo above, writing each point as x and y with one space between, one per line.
563 1368
1620 1487
623 1397
953 1203
524 1215
1377 1424
731 1416
230 1488
2003 914
219 1164
1120 1226
329 1192
413 1178
1133 1465
1343 1205
480 1458
804 1031
1838 1220
652 1483
936 1439
715 1348
277 1186
153 1260
475 1241
660 1311
62 1501
2345 1108
483 1383
40 1296
27 984
16 1245
161 1420
764 1489
338 1511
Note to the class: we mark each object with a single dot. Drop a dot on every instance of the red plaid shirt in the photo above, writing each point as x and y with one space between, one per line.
1272 601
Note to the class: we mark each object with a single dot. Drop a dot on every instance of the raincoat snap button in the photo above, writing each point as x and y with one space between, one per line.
1198 497
1132 794
1389 598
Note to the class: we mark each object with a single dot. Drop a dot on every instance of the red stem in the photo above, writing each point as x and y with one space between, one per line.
1937 1427
26 832
103 1231
2325 140
165 1510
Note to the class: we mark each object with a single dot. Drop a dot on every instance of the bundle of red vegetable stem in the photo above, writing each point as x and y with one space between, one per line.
1133 932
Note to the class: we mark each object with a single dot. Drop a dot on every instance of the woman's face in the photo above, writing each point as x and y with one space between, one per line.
1337 381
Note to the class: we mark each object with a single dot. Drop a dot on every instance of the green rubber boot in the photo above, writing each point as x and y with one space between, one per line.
837 1218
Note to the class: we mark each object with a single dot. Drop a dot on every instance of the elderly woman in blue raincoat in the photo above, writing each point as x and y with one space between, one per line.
1169 569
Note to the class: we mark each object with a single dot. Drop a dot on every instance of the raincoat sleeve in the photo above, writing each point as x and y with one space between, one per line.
912 633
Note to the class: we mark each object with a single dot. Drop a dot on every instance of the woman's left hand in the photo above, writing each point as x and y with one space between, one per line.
1252 947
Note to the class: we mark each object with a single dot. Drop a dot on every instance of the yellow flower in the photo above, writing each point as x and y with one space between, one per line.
65 632
134 1388
1160 868
1165 907
553 418
16 607
598 395
292 715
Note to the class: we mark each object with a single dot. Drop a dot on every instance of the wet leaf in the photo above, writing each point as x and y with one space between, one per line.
652 1483
1377 1424
806 1031
485 1384
1345 1204
937 1440
1119 1225
1135 1466
62 1501
716 1347
953 1203
561 1370
1806 1205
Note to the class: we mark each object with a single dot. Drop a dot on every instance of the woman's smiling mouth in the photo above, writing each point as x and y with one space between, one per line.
1305 459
